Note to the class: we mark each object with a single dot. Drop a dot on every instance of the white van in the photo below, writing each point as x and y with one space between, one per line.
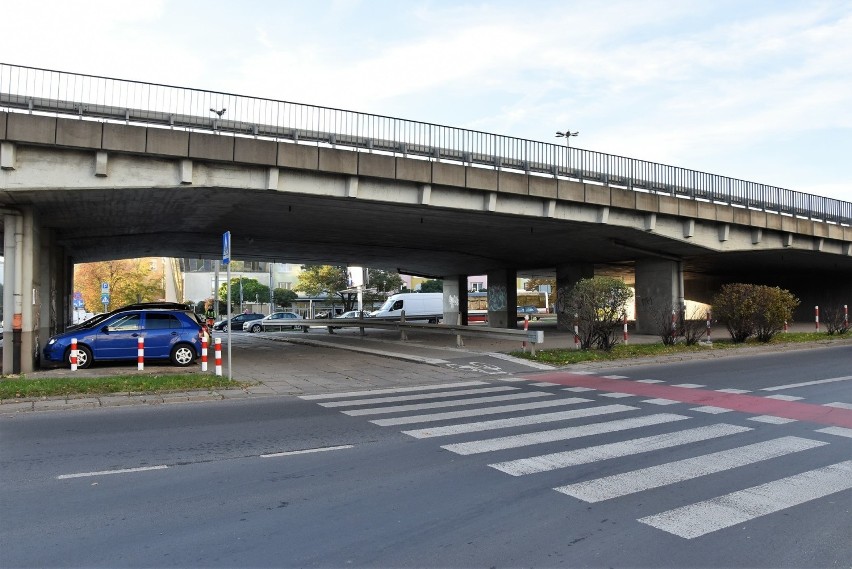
417 306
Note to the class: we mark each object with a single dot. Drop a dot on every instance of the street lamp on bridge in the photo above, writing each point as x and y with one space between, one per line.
567 135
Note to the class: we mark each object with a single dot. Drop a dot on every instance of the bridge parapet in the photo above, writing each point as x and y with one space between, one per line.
36 91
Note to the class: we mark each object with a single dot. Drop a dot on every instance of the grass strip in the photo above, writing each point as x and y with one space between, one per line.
568 356
22 388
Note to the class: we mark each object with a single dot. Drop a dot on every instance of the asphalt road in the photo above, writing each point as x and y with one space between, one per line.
650 466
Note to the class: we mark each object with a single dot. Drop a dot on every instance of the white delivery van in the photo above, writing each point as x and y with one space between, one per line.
417 306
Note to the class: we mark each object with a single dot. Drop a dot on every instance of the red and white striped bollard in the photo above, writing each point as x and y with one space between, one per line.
73 354
846 316
624 318
218 344
140 354
816 317
204 352
576 331
709 321
526 327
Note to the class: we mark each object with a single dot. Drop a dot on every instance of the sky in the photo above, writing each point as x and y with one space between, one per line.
759 90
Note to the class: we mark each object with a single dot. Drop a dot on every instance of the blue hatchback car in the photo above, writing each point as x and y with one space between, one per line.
169 335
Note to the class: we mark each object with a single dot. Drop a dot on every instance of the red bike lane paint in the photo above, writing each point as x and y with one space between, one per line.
744 403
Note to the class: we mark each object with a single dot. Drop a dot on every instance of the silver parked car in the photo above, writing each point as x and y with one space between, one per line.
275 321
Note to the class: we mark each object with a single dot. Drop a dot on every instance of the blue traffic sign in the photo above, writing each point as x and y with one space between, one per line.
105 298
104 287
226 247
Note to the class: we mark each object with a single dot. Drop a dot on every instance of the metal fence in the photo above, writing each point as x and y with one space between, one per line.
87 96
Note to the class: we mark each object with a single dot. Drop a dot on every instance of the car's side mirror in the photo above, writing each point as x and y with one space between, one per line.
105 329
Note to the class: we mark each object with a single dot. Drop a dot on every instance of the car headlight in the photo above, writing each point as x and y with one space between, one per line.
51 341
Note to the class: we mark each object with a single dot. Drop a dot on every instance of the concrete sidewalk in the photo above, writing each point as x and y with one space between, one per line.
296 363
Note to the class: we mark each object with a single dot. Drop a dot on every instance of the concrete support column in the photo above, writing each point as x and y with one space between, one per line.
566 277
659 289
22 304
455 299
502 298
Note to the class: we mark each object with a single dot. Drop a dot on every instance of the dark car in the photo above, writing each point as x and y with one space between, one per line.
94 320
169 335
238 322
530 311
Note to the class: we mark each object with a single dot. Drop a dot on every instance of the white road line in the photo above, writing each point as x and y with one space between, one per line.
708 516
614 377
650 381
478 412
578 389
617 395
439 404
689 385
391 390
527 439
771 419
417 397
807 383
543 384
626 483
556 460
518 421
784 397
305 451
105 472
710 409
839 405
734 391
660 401
839 431
528 363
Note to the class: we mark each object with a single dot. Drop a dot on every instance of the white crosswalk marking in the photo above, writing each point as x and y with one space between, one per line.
660 401
807 383
839 405
771 419
689 385
734 391
450 415
618 485
650 381
587 455
515 441
708 516
615 395
839 431
784 397
710 409
391 390
439 404
518 421
419 396
578 389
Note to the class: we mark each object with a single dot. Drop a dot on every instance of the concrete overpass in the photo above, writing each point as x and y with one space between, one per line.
117 181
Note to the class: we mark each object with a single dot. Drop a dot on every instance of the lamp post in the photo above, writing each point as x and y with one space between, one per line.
220 112
567 136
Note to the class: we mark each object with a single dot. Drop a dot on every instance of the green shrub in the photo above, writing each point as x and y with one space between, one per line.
599 304
748 310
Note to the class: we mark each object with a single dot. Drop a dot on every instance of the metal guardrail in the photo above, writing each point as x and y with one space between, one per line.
88 96
403 327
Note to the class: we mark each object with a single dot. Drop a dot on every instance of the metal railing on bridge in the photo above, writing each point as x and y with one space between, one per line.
37 90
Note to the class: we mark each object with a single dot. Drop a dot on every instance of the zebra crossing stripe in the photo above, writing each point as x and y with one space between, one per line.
725 511
839 431
618 485
391 390
838 405
588 455
432 395
518 421
449 415
515 441
439 404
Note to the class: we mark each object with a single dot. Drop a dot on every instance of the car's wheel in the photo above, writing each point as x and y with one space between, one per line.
182 355
224 328
255 328
84 357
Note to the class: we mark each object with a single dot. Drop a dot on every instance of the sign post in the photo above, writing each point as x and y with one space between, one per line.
226 260
105 295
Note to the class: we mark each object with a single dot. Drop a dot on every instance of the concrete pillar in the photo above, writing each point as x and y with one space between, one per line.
566 277
21 308
502 298
451 299
455 299
659 289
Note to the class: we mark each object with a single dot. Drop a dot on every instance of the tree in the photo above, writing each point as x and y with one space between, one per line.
748 309
599 303
384 281
432 285
333 280
130 281
252 291
283 297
